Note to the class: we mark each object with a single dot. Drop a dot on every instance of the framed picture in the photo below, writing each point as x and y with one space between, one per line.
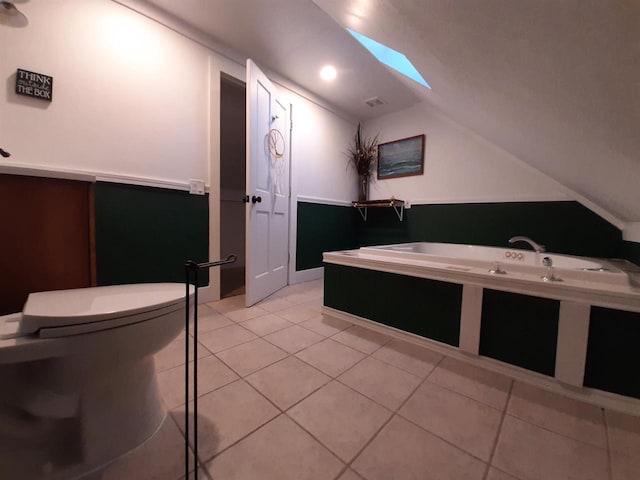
401 158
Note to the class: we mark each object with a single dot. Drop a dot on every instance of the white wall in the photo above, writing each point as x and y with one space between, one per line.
135 100
459 165
129 95
319 141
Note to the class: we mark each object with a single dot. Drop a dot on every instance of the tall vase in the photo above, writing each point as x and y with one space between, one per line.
363 188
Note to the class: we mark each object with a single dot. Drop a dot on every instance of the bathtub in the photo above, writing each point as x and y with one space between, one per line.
509 260
580 329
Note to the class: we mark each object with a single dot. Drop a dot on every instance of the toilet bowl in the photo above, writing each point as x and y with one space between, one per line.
78 378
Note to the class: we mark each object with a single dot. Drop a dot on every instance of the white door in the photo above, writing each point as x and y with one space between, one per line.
267 188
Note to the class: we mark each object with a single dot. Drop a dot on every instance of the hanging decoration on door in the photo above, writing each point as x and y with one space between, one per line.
276 145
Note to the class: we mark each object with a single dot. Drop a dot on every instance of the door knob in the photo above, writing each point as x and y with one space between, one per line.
255 199
245 199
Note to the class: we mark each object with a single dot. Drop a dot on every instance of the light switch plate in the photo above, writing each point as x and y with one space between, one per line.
196 187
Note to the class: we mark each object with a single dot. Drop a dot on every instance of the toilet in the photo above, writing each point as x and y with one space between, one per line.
79 386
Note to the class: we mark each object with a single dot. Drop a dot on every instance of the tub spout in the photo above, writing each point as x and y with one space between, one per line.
536 246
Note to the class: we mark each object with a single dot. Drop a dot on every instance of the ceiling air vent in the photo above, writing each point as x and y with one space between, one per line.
374 102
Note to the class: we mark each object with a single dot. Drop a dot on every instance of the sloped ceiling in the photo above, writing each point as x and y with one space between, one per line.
555 83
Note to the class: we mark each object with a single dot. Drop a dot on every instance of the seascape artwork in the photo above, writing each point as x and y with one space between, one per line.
401 158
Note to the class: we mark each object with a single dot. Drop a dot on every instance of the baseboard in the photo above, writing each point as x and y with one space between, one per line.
589 395
301 276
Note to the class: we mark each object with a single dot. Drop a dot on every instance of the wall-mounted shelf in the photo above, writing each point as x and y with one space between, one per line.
397 205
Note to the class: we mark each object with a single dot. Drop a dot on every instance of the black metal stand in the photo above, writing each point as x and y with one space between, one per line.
189 268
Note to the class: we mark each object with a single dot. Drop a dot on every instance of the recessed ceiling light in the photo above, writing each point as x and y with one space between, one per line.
328 73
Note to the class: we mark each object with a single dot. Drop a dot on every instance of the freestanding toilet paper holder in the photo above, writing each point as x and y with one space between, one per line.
191 270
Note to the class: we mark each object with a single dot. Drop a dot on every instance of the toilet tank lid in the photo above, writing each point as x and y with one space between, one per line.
83 305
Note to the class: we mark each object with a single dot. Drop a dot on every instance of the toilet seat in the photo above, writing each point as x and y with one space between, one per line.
72 312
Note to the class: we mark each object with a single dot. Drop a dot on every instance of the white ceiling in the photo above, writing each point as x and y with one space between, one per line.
554 82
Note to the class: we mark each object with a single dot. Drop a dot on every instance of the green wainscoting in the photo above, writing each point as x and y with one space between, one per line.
323 228
146 234
425 307
520 330
564 227
613 351
631 251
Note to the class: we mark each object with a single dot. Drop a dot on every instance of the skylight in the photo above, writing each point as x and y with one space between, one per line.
390 58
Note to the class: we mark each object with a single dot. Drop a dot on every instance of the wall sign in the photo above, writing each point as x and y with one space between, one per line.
34 84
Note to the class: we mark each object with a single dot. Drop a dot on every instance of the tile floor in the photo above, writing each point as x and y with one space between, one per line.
286 393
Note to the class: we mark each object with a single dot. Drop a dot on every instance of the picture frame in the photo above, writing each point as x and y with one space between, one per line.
401 158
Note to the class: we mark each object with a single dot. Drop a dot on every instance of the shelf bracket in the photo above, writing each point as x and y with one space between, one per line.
399 211
363 212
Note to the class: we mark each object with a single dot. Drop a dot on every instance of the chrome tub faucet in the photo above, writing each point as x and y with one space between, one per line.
536 246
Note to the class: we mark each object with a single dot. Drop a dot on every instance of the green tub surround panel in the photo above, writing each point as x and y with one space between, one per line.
613 351
563 226
520 330
631 251
424 307
145 234
323 228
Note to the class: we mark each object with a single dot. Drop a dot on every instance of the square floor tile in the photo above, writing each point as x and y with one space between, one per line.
209 320
495 474
349 475
226 337
325 325
301 297
280 450
483 385
288 381
294 338
625 467
159 458
298 313
532 453
558 413
266 324
384 383
245 313
275 304
624 432
409 357
466 423
343 420
251 356
404 451
362 339
212 374
173 354
226 415
624 442
331 357
228 304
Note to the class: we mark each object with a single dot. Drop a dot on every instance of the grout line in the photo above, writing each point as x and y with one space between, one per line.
297 351
498 432
444 387
608 438
528 422
377 433
259 369
302 427
251 432
457 447
263 395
